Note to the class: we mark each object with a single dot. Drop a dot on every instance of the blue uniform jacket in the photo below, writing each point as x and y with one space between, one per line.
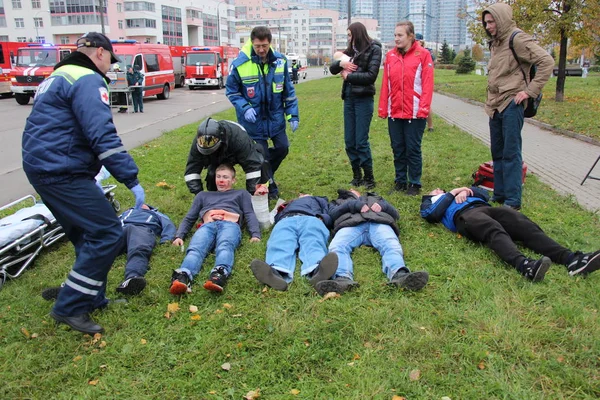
154 220
314 206
70 131
443 208
272 109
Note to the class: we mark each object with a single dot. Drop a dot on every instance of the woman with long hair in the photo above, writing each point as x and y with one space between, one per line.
405 100
358 67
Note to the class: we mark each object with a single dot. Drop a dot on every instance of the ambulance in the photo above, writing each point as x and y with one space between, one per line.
302 64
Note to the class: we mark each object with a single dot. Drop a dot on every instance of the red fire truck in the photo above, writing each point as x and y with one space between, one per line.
34 63
8 56
208 66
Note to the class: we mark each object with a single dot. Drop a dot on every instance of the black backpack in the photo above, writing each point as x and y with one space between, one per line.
532 104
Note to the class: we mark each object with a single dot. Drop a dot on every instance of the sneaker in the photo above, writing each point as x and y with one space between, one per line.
339 285
267 275
180 283
403 279
584 264
217 280
132 286
413 189
535 270
325 270
52 293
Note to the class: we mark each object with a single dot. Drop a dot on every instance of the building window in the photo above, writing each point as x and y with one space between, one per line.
64 40
120 24
4 38
119 7
140 23
139 6
38 22
19 23
21 39
3 22
40 39
210 35
16 4
172 27
78 19
35 4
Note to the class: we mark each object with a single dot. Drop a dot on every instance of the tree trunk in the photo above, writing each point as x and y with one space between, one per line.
562 64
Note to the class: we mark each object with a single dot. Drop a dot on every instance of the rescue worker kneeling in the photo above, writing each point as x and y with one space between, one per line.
225 142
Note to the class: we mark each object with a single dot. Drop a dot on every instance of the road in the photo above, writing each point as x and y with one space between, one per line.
182 108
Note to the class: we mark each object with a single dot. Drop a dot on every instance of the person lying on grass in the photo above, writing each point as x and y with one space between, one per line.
301 225
467 211
371 221
221 213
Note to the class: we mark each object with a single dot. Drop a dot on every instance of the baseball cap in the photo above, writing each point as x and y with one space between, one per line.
97 40
419 36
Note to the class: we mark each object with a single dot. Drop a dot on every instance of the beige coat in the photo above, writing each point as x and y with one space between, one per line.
505 78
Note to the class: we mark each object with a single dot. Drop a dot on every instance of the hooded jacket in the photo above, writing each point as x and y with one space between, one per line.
313 206
505 78
70 131
237 148
361 83
407 85
269 91
444 208
345 211
157 222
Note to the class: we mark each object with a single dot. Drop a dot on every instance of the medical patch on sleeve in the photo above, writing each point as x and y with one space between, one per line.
104 95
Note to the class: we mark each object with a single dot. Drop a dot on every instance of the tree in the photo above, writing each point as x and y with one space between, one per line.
452 56
466 64
562 21
446 53
477 52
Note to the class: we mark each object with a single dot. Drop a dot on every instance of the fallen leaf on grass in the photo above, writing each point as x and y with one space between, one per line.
295 392
164 185
226 366
445 398
481 365
96 338
25 333
212 392
414 375
193 309
236 315
253 394
103 366
143 341
560 359
34 335
195 317
350 364
356 357
173 307
265 289
396 397
93 382
227 306
102 344
76 358
330 295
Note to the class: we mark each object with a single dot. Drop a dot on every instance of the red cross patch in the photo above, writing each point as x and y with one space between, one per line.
251 92
104 95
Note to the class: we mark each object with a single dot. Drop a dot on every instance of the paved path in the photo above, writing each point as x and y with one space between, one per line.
560 161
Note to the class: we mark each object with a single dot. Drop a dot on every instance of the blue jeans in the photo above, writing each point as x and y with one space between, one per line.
358 112
506 146
382 237
138 244
406 136
303 234
222 236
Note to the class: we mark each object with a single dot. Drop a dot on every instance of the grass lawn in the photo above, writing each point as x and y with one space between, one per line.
578 112
477 331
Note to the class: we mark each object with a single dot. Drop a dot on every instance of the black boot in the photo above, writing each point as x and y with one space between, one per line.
369 180
357 179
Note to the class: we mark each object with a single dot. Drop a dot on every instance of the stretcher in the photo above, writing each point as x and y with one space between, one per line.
25 233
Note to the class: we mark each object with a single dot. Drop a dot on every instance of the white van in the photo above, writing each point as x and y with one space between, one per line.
302 64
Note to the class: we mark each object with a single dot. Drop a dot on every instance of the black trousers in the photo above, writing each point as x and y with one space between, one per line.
500 227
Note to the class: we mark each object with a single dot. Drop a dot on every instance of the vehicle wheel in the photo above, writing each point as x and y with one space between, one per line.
221 86
182 81
165 94
192 87
6 95
22 99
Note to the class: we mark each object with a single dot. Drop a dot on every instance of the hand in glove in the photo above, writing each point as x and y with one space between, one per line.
250 115
294 125
140 196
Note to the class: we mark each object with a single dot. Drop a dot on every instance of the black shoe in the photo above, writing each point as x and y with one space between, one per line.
357 179
338 285
132 286
264 273
413 189
327 267
584 264
52 293
400 187
369 179
82 323
180 283
409 280
217 280
273 196
516 208
535 270
498 200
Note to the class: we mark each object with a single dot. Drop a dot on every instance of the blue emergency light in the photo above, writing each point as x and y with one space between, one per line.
125 41
40 45
200 48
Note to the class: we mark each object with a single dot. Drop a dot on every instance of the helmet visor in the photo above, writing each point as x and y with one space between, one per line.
208 141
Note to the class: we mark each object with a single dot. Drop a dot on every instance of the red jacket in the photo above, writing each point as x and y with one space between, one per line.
407 86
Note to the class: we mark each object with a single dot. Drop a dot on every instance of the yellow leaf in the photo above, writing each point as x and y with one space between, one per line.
253 394
103 366
265 289
218 311
396 397
414 375
193 309
173 307
295 392
212 392
356 357
34 335
102 344
143 341
76 358
481 365
167 315
195 317
93 382
350 364
25 332
330 295
226 366
227 306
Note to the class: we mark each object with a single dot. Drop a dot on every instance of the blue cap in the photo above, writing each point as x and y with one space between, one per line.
418 36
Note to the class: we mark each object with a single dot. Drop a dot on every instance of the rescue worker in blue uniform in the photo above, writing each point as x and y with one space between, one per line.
68 136
260 89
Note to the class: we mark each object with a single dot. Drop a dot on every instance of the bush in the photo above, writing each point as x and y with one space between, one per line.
465 65
445 66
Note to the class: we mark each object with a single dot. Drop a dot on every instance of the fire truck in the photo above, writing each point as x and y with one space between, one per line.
208 66
8 55
35 62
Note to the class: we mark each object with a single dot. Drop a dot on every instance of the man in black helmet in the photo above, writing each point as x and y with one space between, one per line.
225 142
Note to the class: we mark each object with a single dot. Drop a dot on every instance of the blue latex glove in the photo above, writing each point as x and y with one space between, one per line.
294 125
140 196
250 115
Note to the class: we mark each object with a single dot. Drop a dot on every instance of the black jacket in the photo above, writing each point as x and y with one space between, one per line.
237 148
361 82
345 211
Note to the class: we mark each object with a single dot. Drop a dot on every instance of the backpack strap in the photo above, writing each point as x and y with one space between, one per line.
512 48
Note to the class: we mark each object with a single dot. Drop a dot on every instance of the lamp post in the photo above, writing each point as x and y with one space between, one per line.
37 35
219 22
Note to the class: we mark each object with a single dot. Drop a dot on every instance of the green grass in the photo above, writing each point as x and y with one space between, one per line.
477 331
578 112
